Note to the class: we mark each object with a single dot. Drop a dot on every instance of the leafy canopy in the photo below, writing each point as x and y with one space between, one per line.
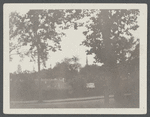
109 35
40 31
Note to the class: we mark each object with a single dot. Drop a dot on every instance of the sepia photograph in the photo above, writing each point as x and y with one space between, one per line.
75 59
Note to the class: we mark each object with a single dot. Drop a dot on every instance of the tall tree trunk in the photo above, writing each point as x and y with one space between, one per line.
111 78
110 62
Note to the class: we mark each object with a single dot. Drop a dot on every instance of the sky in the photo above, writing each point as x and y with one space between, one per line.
70 46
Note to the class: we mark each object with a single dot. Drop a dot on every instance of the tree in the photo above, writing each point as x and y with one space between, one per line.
75 65
68 68
60 70
36 30
91 72
40 30
14 22
110 39
19 69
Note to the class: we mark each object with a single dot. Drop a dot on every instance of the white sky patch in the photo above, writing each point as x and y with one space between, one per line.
70 46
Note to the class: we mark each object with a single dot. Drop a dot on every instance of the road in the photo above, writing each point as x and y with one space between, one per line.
87 103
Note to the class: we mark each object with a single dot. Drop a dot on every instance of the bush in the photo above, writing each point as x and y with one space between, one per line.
22 87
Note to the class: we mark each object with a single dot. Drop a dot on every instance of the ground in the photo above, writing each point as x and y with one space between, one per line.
90 102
